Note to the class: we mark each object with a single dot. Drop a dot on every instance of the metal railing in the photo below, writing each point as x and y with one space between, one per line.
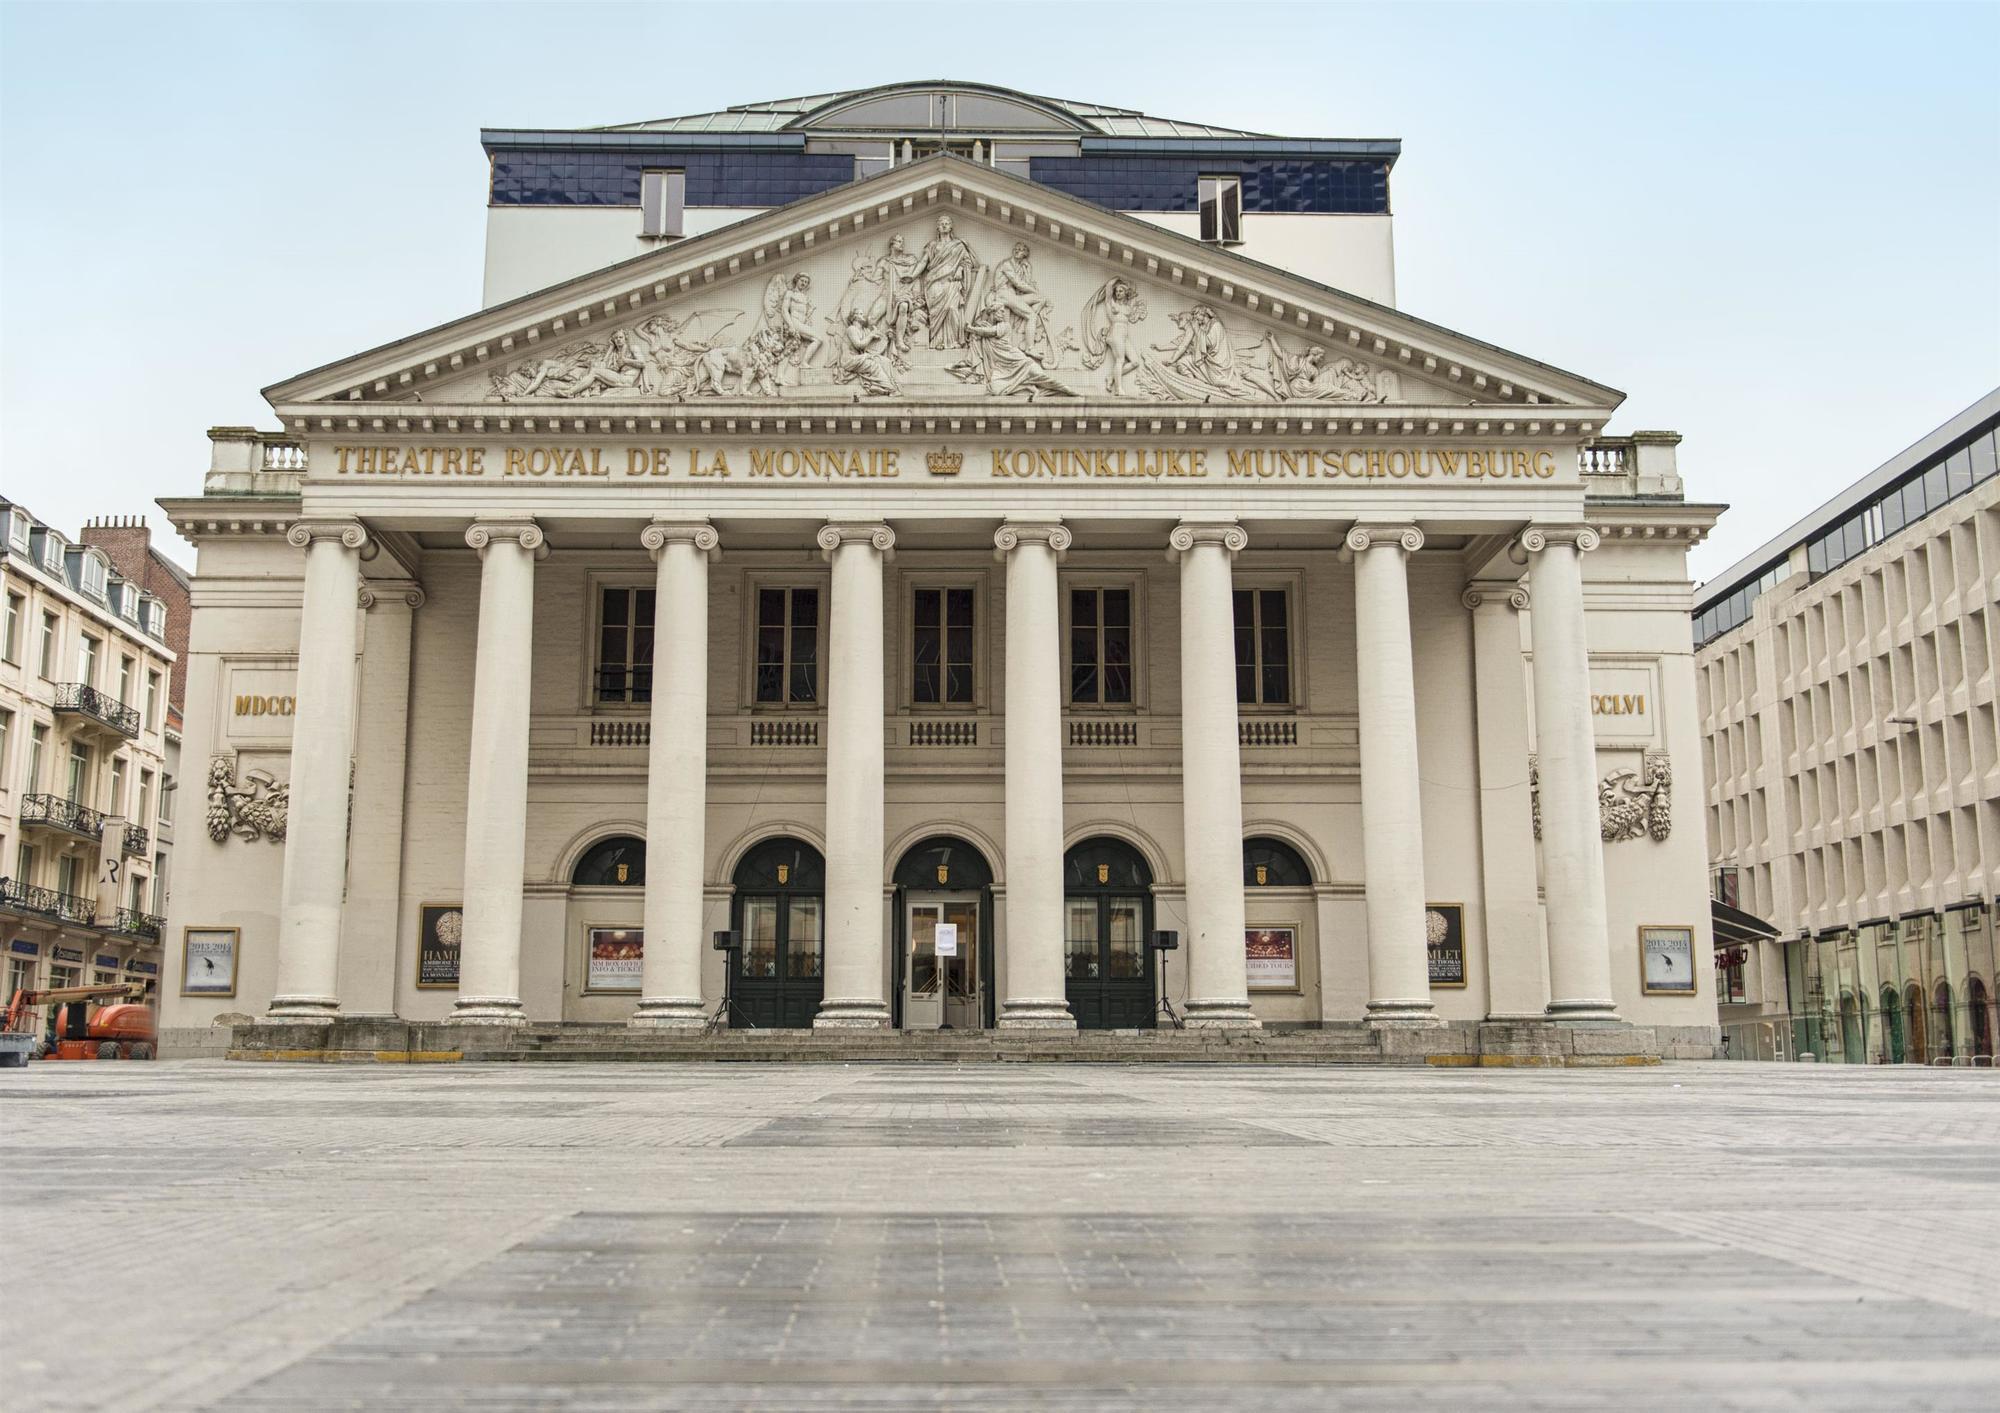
86 700
29 898
56 812
137 840
134 923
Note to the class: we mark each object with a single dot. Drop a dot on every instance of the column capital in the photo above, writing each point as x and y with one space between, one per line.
836 533
1371 534
1495 591
482 533
1226 533
1012 534
351 533
1537 538
407 592
699 533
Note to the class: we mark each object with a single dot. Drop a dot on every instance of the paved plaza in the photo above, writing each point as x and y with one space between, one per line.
620 1237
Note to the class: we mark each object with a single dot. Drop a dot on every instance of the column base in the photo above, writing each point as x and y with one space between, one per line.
1585 1012
487 1010
852 1013
1036 1015
1221 1015
302 1010
669 1013
1402 1015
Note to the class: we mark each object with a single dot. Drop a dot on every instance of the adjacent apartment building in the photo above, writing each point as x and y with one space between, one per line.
1851 757
84 667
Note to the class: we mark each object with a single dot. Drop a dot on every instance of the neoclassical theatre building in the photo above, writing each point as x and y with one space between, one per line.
944 540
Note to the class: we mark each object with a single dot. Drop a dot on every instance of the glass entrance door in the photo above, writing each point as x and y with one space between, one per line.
941 990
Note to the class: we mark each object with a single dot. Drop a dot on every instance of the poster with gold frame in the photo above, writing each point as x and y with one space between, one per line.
208 960
1271 956
613 959
1666 959
1444 944
439 928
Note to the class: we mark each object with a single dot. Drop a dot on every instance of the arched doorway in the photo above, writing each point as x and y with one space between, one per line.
1982 1023
944 881
1944 1039
1853 1048
1107 917
1279 929
604 965
1913 1017
1892 1027
780 910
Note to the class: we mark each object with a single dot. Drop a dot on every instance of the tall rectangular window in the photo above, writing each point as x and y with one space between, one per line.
79 772
86 661
941 647
625 645
1263 647
1221 209
11 641
160 884
125 668
115 799
38 742
142 807
24 864
1100 646
6 740
152 701
47 663
787 646
663 201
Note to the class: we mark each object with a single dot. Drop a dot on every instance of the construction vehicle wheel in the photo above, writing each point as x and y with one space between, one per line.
108 1050
142 1051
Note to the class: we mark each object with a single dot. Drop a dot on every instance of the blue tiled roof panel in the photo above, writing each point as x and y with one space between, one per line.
552 178
1170 183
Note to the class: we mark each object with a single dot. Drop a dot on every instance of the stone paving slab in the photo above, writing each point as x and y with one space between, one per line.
619 1237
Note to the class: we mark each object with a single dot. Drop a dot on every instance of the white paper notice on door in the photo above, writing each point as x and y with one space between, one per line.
947 939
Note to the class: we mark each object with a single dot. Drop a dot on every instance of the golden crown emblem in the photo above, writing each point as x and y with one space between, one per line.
944 463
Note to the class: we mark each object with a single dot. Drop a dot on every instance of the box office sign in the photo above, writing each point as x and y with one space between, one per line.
1666 960
613 958
1444 942
1271 958
440 926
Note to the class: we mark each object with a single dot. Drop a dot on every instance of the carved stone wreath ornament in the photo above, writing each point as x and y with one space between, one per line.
255 810
942 320
1630 803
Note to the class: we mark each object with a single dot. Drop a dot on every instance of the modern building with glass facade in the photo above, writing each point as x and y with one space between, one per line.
1851 757
943 539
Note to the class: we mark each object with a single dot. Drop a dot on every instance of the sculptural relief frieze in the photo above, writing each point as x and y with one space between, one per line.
258 808
1631 804
933 313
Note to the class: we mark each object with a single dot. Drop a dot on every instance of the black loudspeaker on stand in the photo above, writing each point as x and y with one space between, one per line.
1163 943
726 1014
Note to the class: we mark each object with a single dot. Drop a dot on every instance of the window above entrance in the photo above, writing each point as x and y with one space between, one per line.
617 862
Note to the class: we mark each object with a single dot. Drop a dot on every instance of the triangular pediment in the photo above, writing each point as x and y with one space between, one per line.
940 282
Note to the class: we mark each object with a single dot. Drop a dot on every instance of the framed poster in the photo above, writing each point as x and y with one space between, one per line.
1271 957
1666 960
1444 942
612 958
208 961
440 926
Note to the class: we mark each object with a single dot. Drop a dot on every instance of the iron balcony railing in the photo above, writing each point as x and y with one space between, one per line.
137 840
56 812
28 898
134 923
98 706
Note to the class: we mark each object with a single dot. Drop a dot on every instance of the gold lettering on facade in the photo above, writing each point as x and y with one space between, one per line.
256 704
1617 703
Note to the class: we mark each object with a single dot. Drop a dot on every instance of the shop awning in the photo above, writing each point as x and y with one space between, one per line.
1733 926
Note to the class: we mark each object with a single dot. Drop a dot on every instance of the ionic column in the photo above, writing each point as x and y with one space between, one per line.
676 777
315 868
496 797
1034 995
1566 743
856 970
1392 818
1211 775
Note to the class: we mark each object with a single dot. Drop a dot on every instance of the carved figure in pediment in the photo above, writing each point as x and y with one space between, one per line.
947 271
673 348
546 377
863 357
883 290
1108 319
787 314
1204 364
1026 307
999 363
754 364
1308 377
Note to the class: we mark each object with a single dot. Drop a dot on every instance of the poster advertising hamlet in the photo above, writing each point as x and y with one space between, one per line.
1444 936
1271 958
614 960
208 963
439 927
